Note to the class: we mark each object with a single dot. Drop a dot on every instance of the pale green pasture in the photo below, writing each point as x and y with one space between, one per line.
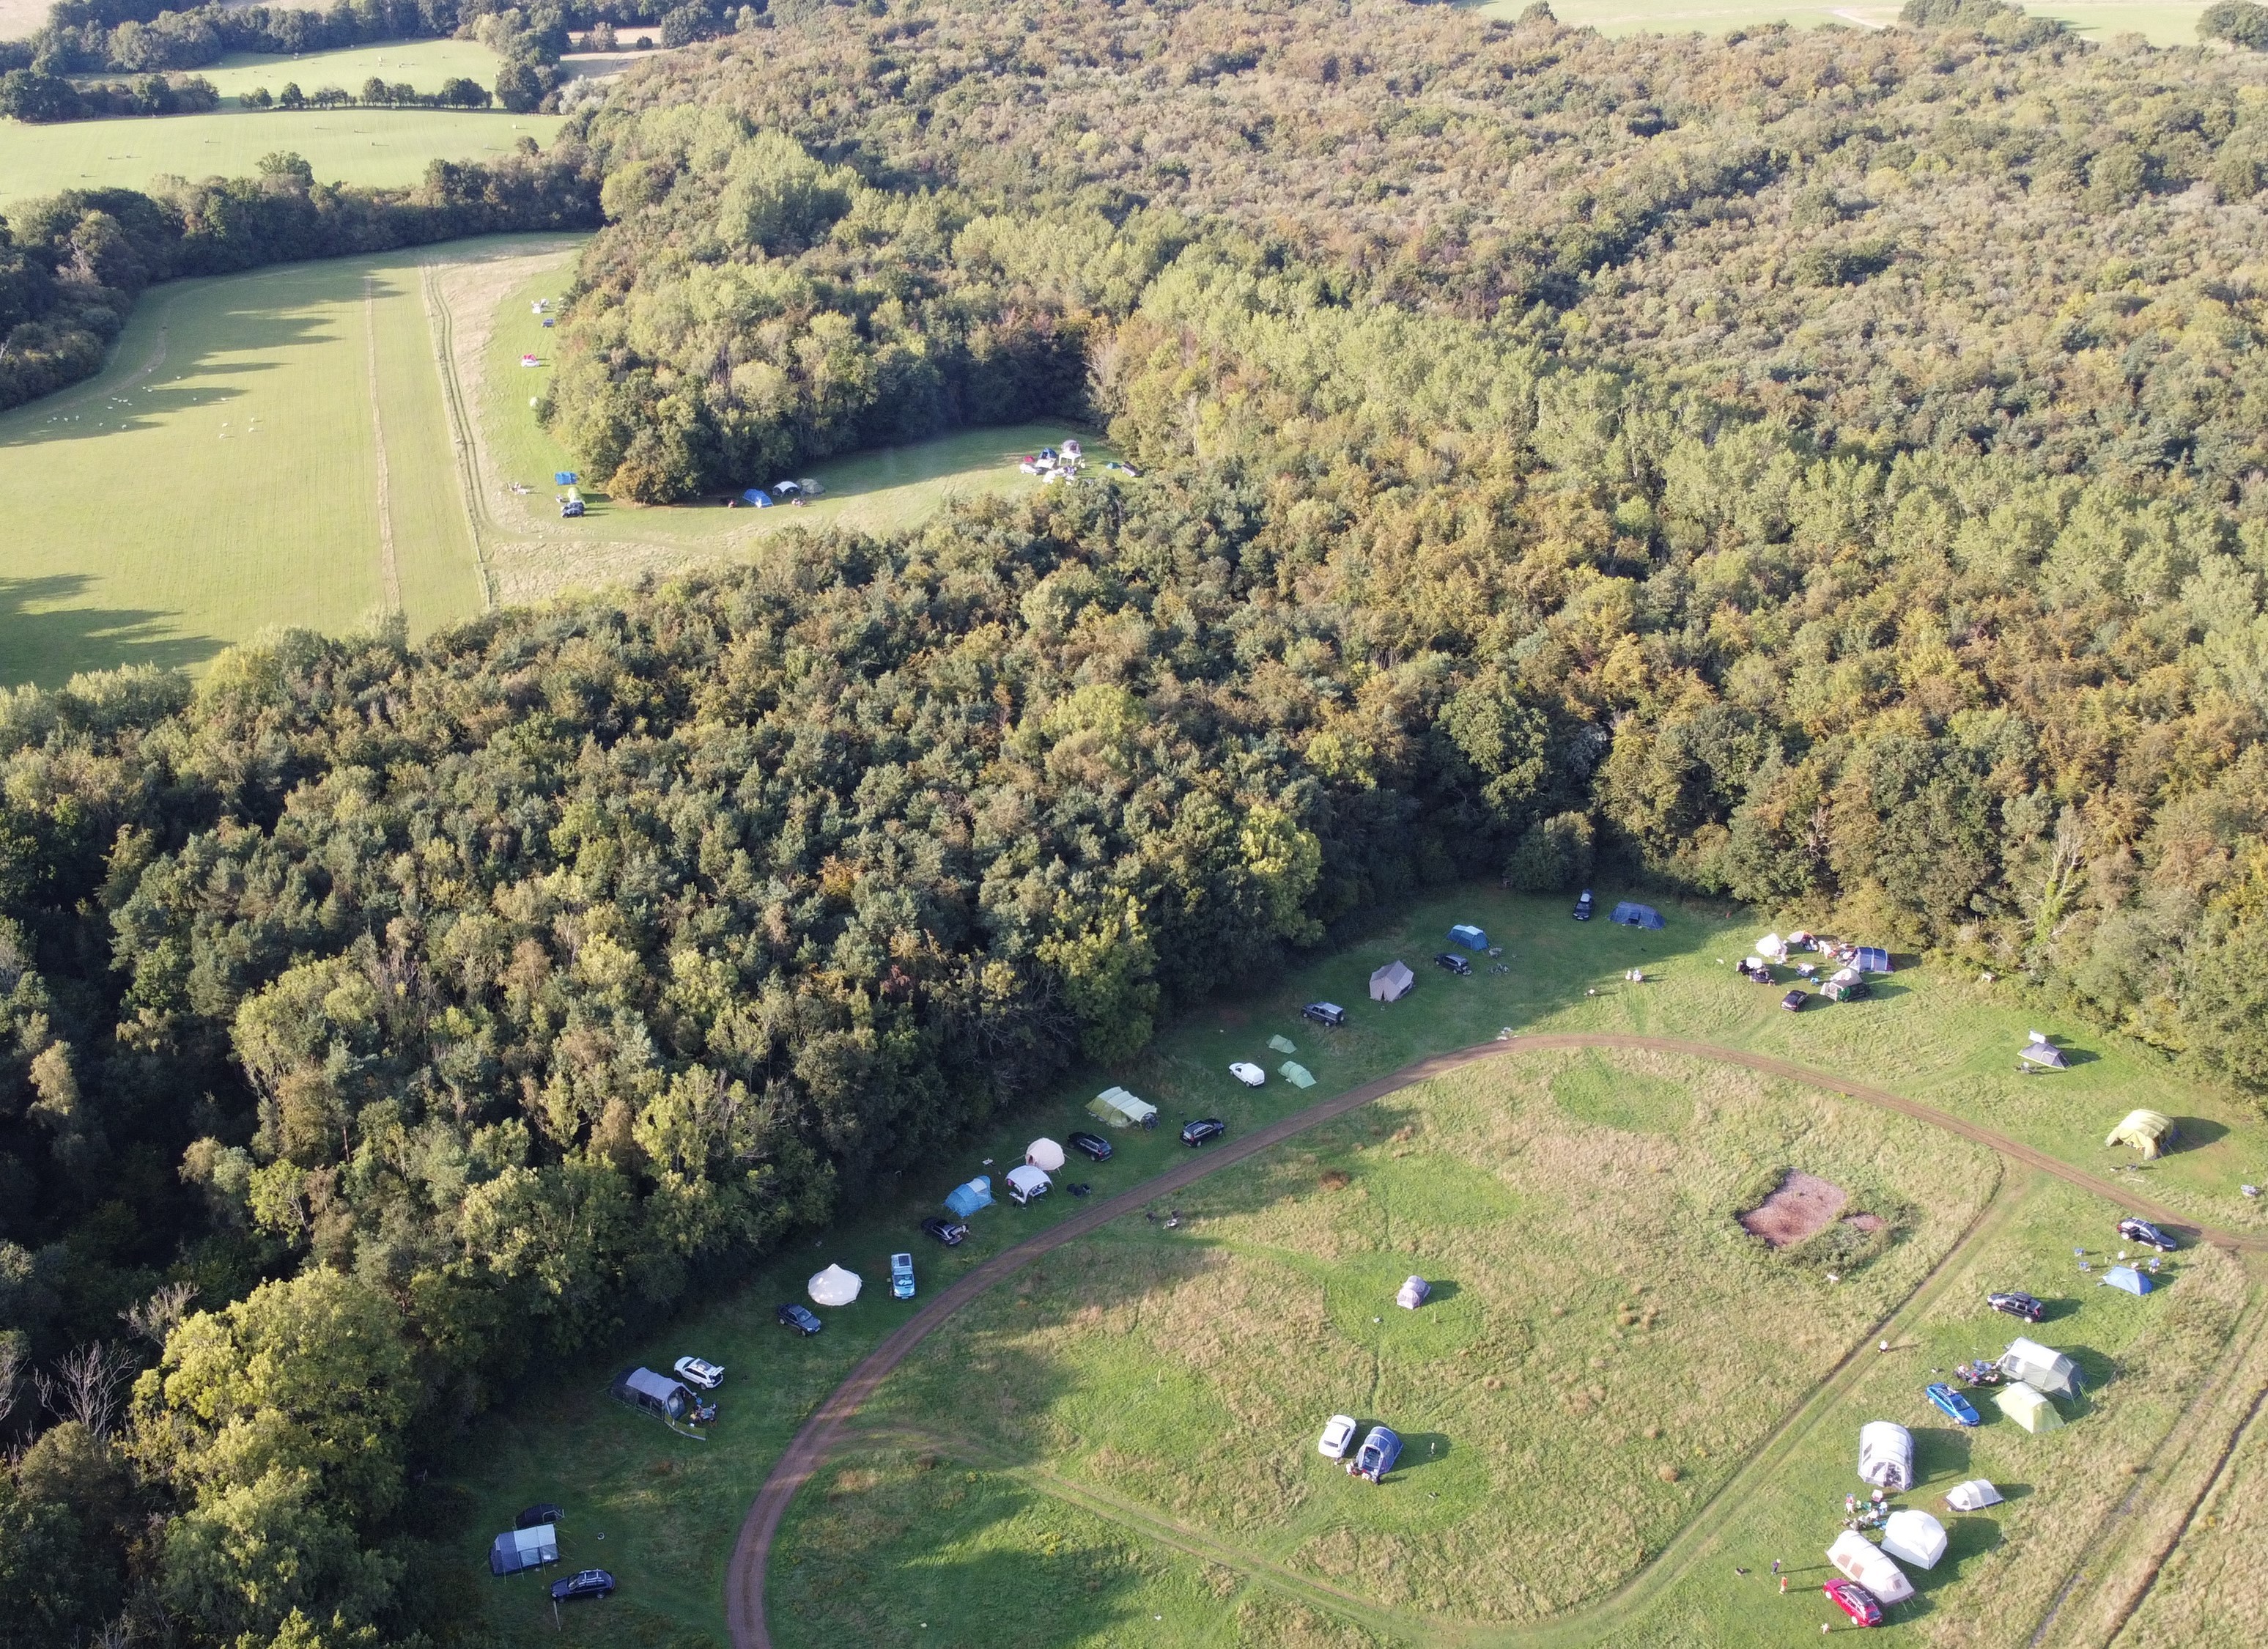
2164 24
222 474
423 64
373 147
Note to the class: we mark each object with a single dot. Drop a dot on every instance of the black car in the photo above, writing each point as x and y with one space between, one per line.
1325 1013
1092 1144
585 1583
1203 1129
537 1516
1793 1001
794 1316
1453 962
1583 906
946 1232
570 509
2017 1305
2148 1235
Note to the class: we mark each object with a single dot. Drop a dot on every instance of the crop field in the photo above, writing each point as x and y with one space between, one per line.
225 473
2163 24
1126 1431
390 147
423 64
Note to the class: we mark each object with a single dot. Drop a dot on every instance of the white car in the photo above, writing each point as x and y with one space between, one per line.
696 1371
1250 1075
1339 1437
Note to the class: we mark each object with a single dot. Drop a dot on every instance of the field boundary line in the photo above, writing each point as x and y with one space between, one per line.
441 330
816 1438
389 569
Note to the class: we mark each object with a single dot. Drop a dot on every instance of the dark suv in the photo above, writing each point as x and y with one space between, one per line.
1094 1146
2148 1235
587 1583
1453 962
2017 1305
1583 906
1325 1013
1203 1129
794 1316
946 1232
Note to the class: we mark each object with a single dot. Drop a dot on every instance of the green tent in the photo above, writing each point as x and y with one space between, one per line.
1298 1075
2027 1408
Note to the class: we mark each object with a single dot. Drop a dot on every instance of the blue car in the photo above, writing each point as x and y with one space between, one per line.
1953 1405
1376 1457
902 1276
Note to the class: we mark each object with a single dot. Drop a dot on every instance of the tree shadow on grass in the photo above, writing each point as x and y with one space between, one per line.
51 646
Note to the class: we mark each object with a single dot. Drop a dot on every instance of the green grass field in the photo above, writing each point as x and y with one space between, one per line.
424 64
2163 24
669 1509
223 474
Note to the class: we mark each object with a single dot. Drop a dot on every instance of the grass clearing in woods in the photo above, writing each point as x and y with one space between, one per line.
671 1510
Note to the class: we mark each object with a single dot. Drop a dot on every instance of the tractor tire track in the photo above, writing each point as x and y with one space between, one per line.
823 1430
389 569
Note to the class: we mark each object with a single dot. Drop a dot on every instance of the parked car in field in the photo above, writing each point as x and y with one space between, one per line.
1093 1146
1583 906
1339 1437
699 1371
2017 1304
1250 1074
2148 1235
1325 1013
591 1583
1376 1457
947 1231
1952 1404
902 1276
1451 962
1854 1600
796 1317
537 1516
570 510
1203 1129
1793 1001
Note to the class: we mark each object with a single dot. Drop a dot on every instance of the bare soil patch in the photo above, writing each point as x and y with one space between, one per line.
1804 1206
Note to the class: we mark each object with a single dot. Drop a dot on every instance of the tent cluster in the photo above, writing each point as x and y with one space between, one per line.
781 492
1052 463
2034 1373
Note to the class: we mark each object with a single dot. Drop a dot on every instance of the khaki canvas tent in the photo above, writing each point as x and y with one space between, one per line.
835 1286
2040 1368
2027 1408
2037 1050
1121 1109
1861 1560
2149 1132
1973 1496
1914 1537
1391 983
1886 1454
1044 1153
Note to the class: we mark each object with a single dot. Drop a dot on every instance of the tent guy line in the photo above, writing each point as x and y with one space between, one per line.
817 1438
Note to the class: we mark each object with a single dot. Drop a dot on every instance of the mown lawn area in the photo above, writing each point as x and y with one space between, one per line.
223 475
670 1508
423 64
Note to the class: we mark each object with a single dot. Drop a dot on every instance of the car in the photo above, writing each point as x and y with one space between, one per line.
902 1276
570 509
1793 1001
2148 1235
537 1516
1583 906
794 1316
582 1583
1376 1457
1854 1600
1952 1404
1094 1146
947 1231
699 1371
1339 1437
1202 1129
1325 1013
2018 1304
1250 1074
1452 963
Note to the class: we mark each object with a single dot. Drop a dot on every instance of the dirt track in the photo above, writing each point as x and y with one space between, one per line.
744 1577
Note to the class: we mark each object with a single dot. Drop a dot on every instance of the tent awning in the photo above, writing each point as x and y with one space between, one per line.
1028 1180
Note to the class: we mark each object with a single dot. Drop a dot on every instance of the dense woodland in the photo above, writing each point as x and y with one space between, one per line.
1822 470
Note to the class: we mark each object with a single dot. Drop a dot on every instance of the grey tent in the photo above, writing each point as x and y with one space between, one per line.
1391 983
1886 1454
1413 1293
524 1548
1629 916
2037 1050
2040 1368
656 1393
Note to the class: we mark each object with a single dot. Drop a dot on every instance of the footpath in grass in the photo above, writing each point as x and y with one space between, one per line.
389 148
223 475
1944 1040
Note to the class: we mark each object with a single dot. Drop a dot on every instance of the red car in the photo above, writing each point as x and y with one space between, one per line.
1854 1600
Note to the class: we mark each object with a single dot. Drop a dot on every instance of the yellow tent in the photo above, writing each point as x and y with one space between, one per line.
2147 1131
2027 1408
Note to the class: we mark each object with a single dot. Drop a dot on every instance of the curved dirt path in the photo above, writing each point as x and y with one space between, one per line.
744 1575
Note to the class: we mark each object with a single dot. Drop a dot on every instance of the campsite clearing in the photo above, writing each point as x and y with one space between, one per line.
671 1520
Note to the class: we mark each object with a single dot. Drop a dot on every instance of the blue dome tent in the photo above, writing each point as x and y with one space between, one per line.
1630 915
966 1199
757 497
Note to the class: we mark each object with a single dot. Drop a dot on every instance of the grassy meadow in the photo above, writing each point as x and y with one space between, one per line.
223 473
424 64
670 1509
